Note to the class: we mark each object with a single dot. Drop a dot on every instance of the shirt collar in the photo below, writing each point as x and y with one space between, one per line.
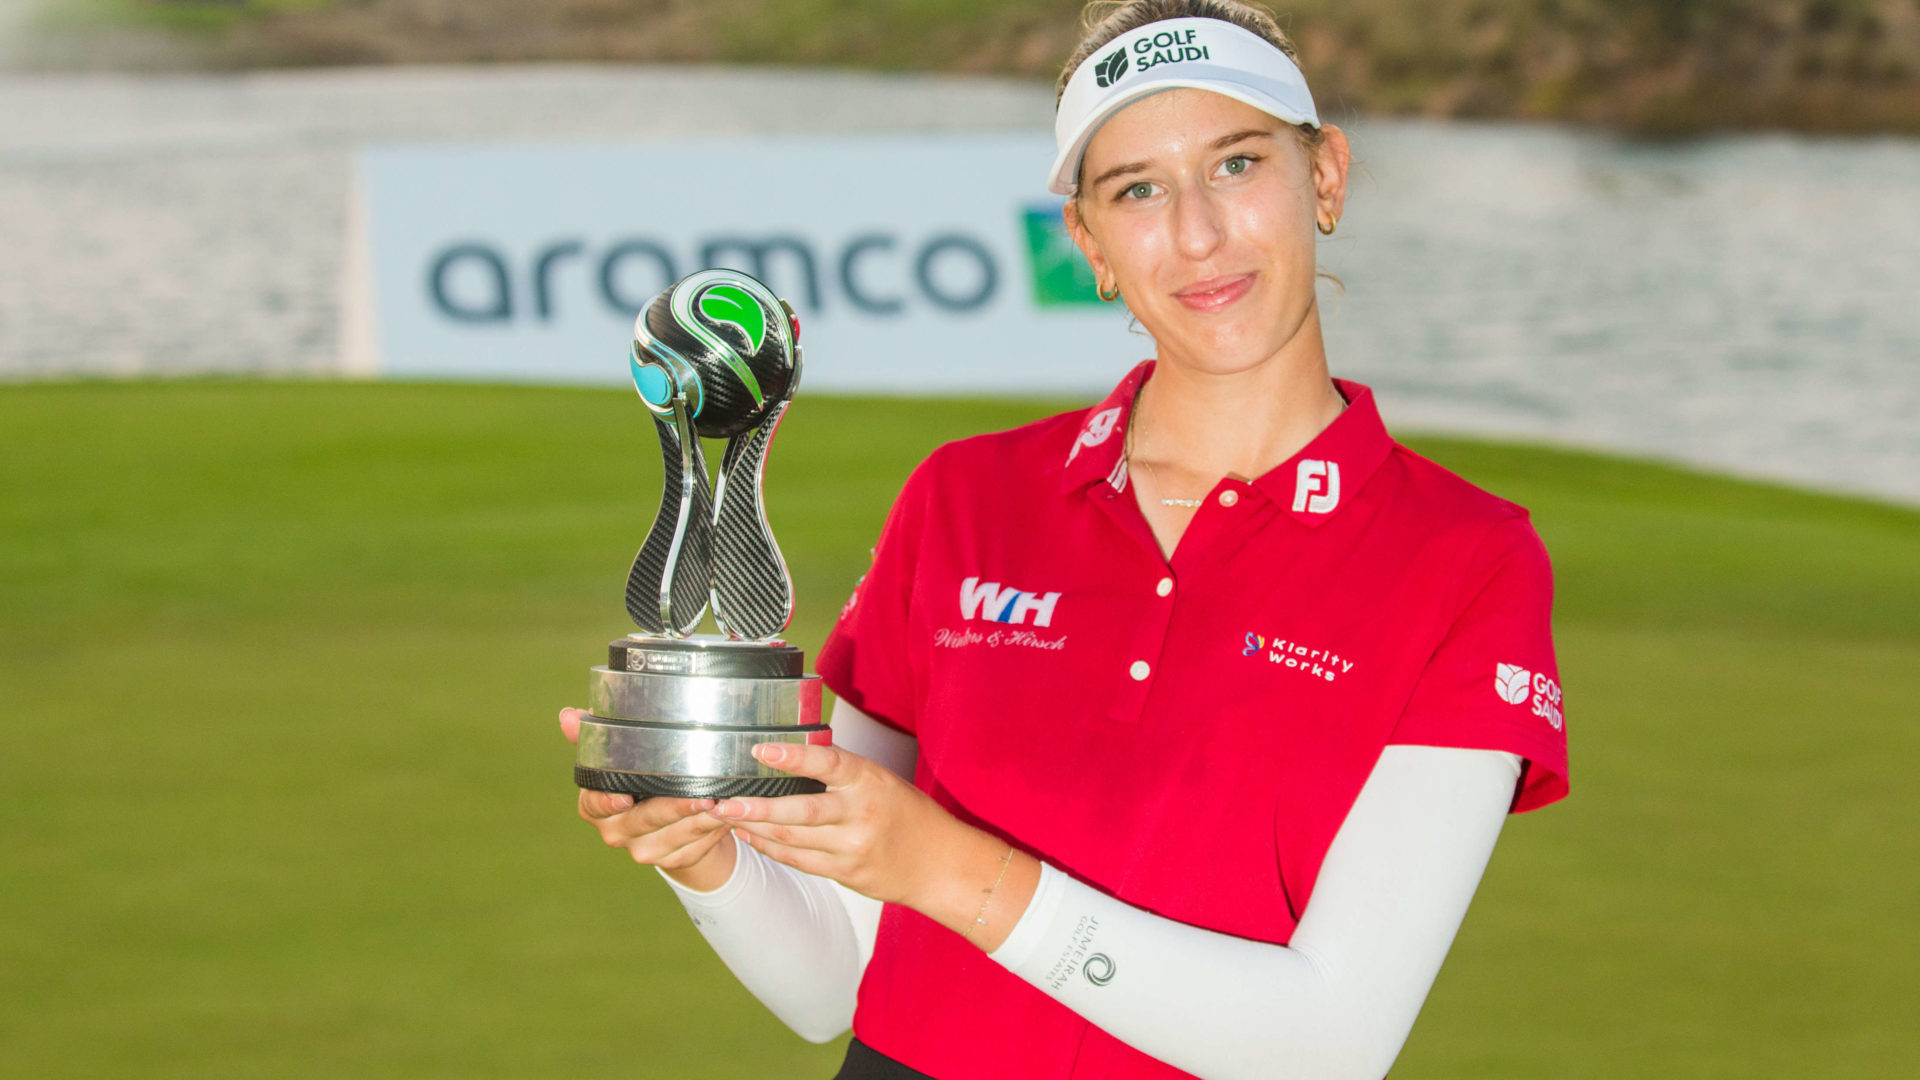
1312 485
1099 447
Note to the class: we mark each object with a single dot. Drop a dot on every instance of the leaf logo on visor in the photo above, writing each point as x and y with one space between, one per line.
1111 67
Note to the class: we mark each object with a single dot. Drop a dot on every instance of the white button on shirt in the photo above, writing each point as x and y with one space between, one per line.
1139 670
1165 588
1229 497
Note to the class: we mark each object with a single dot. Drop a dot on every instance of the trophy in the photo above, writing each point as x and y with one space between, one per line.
674 712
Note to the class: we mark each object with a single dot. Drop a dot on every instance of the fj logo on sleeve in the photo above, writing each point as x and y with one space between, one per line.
1316 487
988 600
1517 686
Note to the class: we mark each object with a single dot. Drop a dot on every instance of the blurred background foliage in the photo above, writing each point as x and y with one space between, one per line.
1652 66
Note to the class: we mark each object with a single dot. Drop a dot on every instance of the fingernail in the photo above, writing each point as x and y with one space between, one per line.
766 751
729 809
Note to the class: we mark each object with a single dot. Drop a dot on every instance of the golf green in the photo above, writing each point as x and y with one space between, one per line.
284 796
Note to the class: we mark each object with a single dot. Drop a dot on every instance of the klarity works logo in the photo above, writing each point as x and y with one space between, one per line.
1324 664
1517 686
1111 67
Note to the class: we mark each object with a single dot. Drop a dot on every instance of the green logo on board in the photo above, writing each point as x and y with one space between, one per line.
1061 276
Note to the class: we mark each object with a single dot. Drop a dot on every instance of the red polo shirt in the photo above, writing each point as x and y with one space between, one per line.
1186 734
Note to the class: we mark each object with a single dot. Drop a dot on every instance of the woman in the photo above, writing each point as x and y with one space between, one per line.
1174 734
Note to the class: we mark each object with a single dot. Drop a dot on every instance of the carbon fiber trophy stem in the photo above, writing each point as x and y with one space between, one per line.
668 585
752 590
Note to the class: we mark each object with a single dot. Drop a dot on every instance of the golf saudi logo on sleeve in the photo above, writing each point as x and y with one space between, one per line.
1513 683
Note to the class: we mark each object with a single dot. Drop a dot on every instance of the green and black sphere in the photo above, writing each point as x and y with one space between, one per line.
726 341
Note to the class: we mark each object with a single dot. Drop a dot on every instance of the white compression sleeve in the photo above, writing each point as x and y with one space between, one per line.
798 942
1336 1002
788 938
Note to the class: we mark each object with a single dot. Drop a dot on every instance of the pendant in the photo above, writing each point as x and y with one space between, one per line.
1188 503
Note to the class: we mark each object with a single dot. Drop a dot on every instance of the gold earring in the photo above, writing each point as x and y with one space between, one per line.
1326 230
1104 295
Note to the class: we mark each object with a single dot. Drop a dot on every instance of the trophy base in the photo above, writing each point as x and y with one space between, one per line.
679 717
647 786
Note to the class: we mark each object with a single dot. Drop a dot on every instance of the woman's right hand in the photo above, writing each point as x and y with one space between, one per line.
692 846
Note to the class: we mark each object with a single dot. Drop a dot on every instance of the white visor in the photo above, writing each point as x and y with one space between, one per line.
1205 54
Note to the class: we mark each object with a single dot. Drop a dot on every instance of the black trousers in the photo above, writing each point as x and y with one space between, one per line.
863 1062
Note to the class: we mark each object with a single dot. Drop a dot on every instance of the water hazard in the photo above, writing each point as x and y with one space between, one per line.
1744 303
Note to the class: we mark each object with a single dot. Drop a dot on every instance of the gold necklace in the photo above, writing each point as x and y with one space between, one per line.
1133 414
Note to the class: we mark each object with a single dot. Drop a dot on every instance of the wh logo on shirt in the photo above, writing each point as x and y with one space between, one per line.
1516 686
987 600
1316 487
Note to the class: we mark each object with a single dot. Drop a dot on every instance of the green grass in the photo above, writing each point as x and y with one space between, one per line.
284 796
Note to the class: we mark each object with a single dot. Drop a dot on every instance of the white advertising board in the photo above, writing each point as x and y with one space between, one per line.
922 263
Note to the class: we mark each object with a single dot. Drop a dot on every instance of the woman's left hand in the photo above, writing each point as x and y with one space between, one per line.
884 838
870 830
